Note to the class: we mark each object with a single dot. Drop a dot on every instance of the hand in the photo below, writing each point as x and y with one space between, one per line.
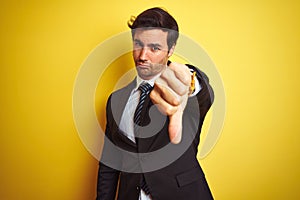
170 94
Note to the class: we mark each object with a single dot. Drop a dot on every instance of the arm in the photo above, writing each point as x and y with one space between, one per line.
107 182
171 92
206 94
107 176
170 95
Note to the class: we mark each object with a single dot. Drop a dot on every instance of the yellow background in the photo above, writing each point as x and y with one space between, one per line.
254 44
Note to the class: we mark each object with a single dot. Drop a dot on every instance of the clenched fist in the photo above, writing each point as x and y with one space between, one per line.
170 94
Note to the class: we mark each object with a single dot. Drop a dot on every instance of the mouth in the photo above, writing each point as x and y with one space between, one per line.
143 65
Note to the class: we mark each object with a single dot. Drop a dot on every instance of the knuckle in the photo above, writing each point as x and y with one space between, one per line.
163 75
182 90
170 110
172 65
187 79
176 102
154 96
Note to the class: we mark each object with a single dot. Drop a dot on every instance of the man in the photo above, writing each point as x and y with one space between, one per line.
154 123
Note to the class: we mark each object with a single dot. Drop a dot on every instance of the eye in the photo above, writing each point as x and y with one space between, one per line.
155 48
137 44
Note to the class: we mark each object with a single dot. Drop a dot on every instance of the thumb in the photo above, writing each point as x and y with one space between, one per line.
175 126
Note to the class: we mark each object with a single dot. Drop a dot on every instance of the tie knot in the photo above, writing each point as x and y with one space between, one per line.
145 87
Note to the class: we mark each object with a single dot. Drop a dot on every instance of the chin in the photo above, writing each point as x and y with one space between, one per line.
144 76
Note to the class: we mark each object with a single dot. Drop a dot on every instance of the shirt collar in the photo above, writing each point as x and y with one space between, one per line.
139 80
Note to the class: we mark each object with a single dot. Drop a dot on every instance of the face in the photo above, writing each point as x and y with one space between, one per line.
150 52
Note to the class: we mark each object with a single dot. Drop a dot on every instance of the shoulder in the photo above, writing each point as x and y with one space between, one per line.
200 74
124 90
117 100
119 96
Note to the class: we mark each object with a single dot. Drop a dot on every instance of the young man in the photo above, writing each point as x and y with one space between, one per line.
154 123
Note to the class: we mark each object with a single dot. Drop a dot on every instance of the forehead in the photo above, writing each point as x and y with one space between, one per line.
149 36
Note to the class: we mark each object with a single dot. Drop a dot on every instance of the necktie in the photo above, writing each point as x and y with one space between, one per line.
145 88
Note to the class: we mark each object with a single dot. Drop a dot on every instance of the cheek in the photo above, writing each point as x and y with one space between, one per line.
161 58
135 54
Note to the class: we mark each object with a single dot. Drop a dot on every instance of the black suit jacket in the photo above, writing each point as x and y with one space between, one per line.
170 171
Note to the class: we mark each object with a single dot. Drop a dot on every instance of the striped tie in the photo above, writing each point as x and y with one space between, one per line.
145 88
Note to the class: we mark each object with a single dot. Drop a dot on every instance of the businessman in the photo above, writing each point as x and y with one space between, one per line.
154 123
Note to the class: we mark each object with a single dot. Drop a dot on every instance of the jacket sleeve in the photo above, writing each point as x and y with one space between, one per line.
206 95
107 182
107 176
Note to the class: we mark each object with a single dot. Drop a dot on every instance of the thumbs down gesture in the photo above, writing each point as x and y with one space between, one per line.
170 94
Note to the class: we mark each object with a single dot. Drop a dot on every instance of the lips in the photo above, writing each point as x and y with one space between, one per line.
143 65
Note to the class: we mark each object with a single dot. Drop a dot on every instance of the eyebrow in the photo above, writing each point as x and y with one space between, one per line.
155 45
150 45
138 41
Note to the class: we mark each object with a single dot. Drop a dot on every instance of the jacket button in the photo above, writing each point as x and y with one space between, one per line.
137 188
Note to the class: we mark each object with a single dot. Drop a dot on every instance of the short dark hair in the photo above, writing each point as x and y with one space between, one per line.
156 18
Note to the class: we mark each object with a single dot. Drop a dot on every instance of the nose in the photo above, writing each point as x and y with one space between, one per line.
143 54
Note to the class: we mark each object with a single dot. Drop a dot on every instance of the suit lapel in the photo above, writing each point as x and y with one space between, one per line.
119 100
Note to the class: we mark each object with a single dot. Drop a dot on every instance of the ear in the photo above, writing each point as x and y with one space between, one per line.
171 50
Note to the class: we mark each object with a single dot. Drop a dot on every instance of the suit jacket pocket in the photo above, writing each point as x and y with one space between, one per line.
189 176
